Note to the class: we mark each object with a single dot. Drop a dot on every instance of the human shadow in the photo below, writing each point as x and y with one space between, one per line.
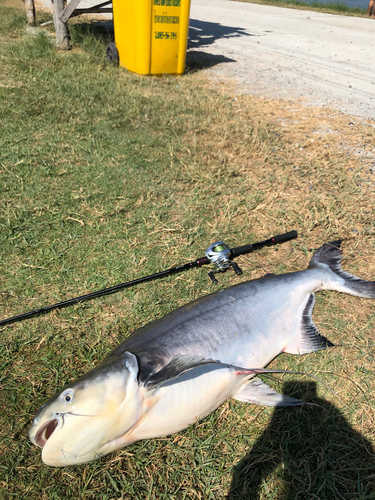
206 33
307 452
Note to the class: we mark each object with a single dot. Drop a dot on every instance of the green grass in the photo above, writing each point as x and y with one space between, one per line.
106 176
329 8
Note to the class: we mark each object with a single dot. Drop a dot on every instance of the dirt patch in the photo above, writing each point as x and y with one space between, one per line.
316 173
319 131
285 53
16 4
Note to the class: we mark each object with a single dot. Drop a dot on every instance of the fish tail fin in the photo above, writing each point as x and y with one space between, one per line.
330 255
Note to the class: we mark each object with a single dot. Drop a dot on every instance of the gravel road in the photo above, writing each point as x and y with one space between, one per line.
286 53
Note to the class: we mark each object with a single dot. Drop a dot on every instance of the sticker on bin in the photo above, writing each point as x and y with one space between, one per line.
168 3
164 17
165 35
167 19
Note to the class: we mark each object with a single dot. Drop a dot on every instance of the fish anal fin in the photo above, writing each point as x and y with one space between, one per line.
307 338
175 368
257 392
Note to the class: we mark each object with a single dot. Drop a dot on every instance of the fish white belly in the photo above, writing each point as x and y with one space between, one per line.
180 403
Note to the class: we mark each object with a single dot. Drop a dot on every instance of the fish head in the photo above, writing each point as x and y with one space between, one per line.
90 413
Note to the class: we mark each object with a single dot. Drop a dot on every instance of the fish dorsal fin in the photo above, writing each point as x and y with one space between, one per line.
257 392
307 337
175 368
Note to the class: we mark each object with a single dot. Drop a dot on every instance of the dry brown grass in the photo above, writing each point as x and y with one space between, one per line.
184 165
318 177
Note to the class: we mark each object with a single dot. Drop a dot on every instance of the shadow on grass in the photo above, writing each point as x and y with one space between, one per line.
98 29
306 452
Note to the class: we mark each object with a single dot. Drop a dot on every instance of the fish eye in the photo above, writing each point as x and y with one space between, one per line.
67 396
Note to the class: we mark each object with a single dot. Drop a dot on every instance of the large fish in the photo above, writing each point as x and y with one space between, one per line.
175 371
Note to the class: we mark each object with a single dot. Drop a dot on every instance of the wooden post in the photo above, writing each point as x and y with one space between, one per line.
61 28
30 11
69 9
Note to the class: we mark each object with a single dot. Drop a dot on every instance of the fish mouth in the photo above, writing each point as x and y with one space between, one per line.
45 432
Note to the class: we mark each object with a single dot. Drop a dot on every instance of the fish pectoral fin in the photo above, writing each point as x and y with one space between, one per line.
175 368
308 338
257 392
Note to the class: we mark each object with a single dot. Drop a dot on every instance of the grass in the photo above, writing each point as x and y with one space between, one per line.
105 177
328 8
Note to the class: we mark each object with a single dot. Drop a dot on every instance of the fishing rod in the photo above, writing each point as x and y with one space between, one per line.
219 254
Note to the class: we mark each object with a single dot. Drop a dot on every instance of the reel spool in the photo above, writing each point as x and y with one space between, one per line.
219 254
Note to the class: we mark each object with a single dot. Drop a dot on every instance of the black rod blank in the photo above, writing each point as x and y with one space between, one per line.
235 252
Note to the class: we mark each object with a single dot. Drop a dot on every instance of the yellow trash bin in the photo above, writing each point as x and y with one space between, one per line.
151 35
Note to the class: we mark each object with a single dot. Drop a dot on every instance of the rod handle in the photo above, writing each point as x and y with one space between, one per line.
284 237
280 238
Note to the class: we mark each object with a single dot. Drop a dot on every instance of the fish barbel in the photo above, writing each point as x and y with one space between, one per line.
175 371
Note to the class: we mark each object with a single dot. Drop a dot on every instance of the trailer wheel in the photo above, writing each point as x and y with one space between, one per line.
112 54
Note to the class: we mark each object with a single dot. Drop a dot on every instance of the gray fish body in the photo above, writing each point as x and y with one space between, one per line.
246 325
178 369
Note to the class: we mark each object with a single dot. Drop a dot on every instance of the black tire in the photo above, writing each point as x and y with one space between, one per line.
112 54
